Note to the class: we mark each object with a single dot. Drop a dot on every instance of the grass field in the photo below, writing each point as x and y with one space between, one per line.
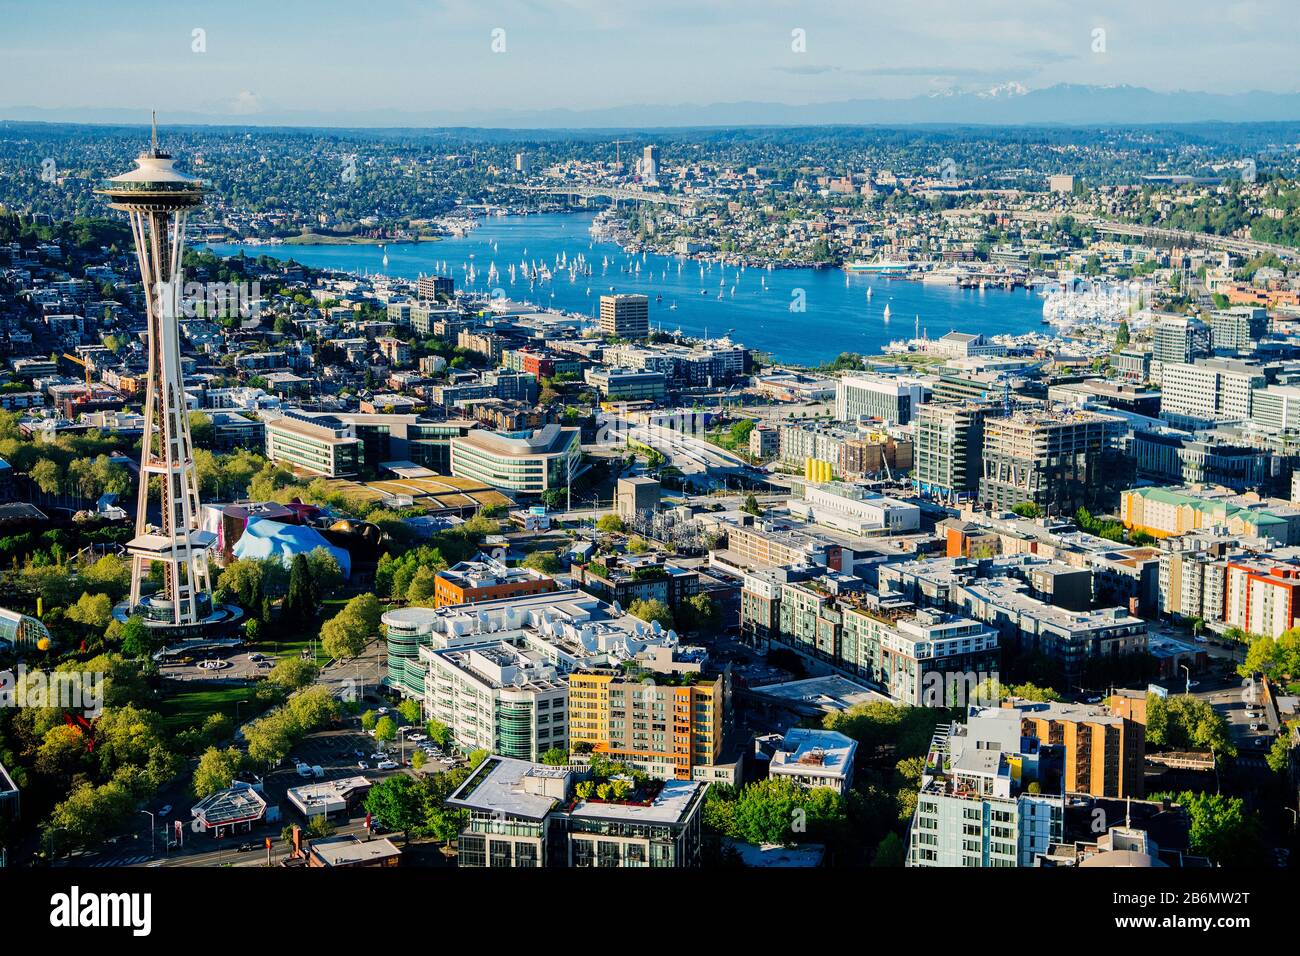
189 708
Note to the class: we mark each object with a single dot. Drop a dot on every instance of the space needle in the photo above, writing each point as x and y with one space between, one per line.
158 198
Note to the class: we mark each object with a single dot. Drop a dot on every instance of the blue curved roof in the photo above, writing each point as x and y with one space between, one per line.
264 538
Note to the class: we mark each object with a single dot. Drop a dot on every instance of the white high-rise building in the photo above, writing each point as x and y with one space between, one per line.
650 166
876 396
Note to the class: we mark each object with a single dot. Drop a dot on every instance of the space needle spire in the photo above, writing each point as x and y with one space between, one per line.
157 198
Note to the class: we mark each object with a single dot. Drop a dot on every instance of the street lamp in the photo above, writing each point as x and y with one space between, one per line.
153 825
1188 672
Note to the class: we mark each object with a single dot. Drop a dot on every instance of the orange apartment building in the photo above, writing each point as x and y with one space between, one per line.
667 727
472 581
1104 753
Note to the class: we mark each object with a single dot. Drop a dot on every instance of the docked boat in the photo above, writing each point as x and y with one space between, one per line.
881 267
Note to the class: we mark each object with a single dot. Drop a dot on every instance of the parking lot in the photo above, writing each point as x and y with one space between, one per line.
342 752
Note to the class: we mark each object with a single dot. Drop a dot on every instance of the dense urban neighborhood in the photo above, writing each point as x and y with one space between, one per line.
744 497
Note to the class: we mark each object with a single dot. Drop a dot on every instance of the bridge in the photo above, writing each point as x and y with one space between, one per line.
1183 237
1246 247
616 193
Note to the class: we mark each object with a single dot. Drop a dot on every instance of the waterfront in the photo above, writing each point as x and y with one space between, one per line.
757 307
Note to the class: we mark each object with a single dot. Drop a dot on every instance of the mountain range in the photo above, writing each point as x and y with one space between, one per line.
1009 104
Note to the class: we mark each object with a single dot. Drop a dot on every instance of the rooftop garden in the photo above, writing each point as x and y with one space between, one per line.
632 670
613 781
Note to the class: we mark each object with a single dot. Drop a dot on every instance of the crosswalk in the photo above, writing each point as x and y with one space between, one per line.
136 860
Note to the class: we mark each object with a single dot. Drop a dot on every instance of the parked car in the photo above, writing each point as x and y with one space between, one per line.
362 765
387 765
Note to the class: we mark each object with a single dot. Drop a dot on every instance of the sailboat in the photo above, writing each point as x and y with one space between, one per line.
868 293
886 311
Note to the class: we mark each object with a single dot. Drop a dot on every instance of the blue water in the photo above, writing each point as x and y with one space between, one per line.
837 316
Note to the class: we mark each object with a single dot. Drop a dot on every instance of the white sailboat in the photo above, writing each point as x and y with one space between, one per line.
886 311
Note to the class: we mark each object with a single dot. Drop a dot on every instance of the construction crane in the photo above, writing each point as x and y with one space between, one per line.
79 361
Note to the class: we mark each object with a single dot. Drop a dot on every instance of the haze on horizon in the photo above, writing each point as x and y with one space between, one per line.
333 58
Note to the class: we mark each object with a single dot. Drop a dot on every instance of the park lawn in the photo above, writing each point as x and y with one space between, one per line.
189 708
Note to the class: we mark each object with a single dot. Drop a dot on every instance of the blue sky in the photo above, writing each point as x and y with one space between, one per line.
326 56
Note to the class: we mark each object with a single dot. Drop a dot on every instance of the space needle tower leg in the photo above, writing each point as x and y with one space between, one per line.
157 199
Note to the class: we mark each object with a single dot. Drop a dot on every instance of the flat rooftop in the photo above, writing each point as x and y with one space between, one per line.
497 785
352 850
670 806
831 692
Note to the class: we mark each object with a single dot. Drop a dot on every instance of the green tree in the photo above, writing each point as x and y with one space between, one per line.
702 614
422 590
889 852
739 432
751 506
93 610
398 802
1028 691
610 523
547 562
302 602
326 575
90 814
439 733
556 757
217 770
1279 754
136 637
47 476
1182 722
385 730
652 609
292 673
201 429
348 632
1223 830
409 709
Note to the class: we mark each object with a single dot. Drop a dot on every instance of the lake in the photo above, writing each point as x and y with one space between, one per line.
841 312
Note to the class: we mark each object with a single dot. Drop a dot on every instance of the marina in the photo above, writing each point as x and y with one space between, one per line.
803 316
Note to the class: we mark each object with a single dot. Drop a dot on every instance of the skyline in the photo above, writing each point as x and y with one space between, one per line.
534 63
